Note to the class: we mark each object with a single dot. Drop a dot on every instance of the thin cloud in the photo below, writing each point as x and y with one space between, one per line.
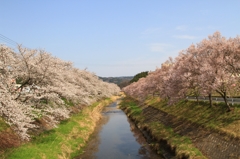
189 37
181 27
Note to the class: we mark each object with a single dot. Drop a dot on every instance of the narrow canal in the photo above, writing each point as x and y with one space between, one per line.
116 137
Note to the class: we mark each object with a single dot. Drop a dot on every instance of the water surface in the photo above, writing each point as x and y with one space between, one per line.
116 137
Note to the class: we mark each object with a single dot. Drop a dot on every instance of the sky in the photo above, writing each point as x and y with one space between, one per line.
114 38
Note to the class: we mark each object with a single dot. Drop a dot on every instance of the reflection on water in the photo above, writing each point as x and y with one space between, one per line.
116 137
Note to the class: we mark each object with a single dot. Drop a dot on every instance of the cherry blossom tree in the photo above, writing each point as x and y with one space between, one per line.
16 114
34 84
211 66
215 70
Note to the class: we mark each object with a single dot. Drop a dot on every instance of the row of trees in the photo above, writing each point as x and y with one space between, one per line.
209 67
34 84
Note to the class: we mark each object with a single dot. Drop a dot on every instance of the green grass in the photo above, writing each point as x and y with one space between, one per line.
132 108
49 143
66 141
182 144
215 117
3 125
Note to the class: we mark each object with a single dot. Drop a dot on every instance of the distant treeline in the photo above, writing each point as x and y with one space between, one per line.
124 80
120 81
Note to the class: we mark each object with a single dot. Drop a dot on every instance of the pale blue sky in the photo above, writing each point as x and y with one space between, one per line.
116 38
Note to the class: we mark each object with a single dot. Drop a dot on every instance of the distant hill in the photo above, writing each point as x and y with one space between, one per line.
138 76
120 81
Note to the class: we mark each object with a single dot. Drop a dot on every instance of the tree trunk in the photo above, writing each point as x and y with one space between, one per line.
210 99
197 99
224 95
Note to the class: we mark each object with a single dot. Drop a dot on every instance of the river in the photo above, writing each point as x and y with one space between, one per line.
116 137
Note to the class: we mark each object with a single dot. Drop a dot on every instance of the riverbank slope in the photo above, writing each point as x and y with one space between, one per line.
187 129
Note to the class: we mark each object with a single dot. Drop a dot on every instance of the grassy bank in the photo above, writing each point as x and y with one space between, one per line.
65 141
215 118
212 119
182 145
